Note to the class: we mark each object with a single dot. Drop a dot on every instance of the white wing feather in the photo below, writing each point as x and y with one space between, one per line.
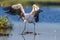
35 8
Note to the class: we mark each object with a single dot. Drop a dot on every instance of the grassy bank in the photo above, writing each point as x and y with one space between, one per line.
30 3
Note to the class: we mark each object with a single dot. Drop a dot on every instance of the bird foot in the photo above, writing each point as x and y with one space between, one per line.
29 33
26 33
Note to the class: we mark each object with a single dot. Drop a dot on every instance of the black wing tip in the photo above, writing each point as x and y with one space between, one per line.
37 18
10 10
7 8
10 13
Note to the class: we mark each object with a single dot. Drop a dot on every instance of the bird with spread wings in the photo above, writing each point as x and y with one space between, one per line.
32 17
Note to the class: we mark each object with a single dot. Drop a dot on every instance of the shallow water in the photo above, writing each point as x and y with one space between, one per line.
47 31
51 15
48 26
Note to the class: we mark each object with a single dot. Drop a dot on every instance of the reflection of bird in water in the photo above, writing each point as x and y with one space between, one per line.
32 17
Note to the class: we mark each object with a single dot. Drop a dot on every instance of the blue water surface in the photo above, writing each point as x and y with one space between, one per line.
47 31
51 15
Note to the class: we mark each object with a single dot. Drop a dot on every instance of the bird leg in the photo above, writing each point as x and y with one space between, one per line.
23 37
34 31
24 29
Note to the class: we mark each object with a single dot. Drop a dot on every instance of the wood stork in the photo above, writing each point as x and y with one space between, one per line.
32 17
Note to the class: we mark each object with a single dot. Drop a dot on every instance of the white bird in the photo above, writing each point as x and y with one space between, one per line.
32 17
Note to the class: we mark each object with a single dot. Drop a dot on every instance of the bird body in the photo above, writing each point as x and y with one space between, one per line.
29 18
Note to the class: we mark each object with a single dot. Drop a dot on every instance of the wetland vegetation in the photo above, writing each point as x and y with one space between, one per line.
30 2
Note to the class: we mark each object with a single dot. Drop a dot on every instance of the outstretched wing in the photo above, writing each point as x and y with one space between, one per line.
35 11
15 9
10 10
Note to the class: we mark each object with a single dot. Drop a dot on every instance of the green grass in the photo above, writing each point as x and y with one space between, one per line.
30 3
